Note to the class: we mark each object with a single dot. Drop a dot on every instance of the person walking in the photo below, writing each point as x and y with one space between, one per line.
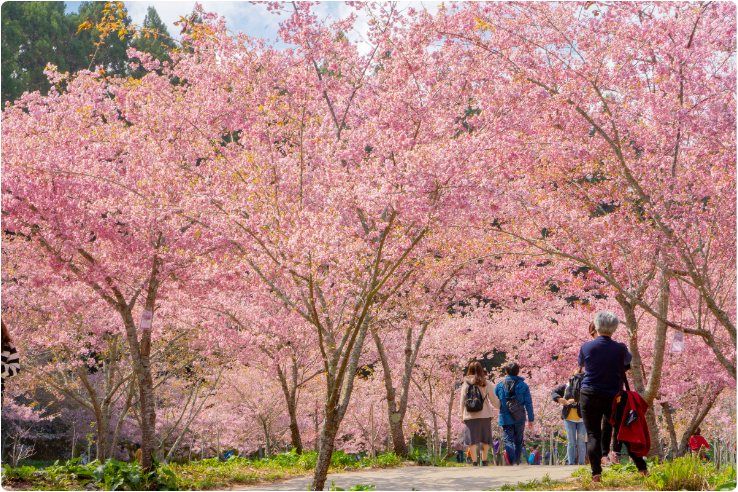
698 444
567 395
604 362
476 410
515 402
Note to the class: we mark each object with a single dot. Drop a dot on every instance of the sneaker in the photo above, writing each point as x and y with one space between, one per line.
597 478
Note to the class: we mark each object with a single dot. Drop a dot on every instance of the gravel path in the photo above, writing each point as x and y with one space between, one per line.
429 478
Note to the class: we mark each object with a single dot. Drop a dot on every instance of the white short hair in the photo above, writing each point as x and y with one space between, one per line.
606 323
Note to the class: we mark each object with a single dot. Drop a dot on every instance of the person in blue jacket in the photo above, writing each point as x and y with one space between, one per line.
515 403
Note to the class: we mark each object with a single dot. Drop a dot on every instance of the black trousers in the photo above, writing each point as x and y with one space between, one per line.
596 412
596 409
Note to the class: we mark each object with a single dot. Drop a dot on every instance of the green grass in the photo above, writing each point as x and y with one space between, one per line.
544 483
685 473
203 474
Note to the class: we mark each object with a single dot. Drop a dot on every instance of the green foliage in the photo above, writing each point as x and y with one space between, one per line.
111 52
727 486
685 473
24 473
154 38
689 473
120 475
164 478
35 34
422 457
358 486
112 475
340 459
383 460
203 474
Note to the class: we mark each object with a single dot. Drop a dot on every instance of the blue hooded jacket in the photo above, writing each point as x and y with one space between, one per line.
522 393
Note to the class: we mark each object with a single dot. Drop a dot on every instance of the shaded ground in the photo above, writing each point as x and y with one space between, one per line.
428 478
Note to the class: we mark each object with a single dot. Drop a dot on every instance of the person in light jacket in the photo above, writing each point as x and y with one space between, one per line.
479 424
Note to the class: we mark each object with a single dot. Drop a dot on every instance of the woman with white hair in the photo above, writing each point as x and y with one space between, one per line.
604 362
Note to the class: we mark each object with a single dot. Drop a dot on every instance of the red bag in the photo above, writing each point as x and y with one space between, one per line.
632 428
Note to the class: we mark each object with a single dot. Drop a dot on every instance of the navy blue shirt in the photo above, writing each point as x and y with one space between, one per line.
604 361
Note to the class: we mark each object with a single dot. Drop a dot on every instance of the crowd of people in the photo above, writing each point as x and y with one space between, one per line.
600 413
596 404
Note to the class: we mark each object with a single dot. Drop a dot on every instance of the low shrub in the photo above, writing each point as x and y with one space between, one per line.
424 458
688 473
340 459
383 460
120 475
24 473
195 475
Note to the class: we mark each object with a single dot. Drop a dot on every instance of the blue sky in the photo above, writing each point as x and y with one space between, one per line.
249 17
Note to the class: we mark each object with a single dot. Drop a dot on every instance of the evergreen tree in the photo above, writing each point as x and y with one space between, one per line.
109 48
35 34
154 38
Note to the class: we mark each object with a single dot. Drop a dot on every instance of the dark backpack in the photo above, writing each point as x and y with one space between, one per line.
474 399
574 387
516 408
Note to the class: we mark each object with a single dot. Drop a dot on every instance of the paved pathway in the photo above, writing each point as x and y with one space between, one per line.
429 478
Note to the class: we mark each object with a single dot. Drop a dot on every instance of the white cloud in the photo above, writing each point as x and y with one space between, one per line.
254 19
240 16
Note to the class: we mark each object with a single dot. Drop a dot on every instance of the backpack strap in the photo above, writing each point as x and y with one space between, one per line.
511 389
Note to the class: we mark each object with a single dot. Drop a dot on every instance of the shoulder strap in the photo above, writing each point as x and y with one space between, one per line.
623 372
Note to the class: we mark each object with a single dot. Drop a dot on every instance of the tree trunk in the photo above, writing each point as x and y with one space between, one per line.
705 405
325 450
142 368
396 412
267 440
103 442
316 422
141 357
449 414
148 413
648 390
668 412
290 396
294 428
372 449
398 434
74 439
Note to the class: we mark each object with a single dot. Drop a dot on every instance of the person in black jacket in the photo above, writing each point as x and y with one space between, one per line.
567 395
604 362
